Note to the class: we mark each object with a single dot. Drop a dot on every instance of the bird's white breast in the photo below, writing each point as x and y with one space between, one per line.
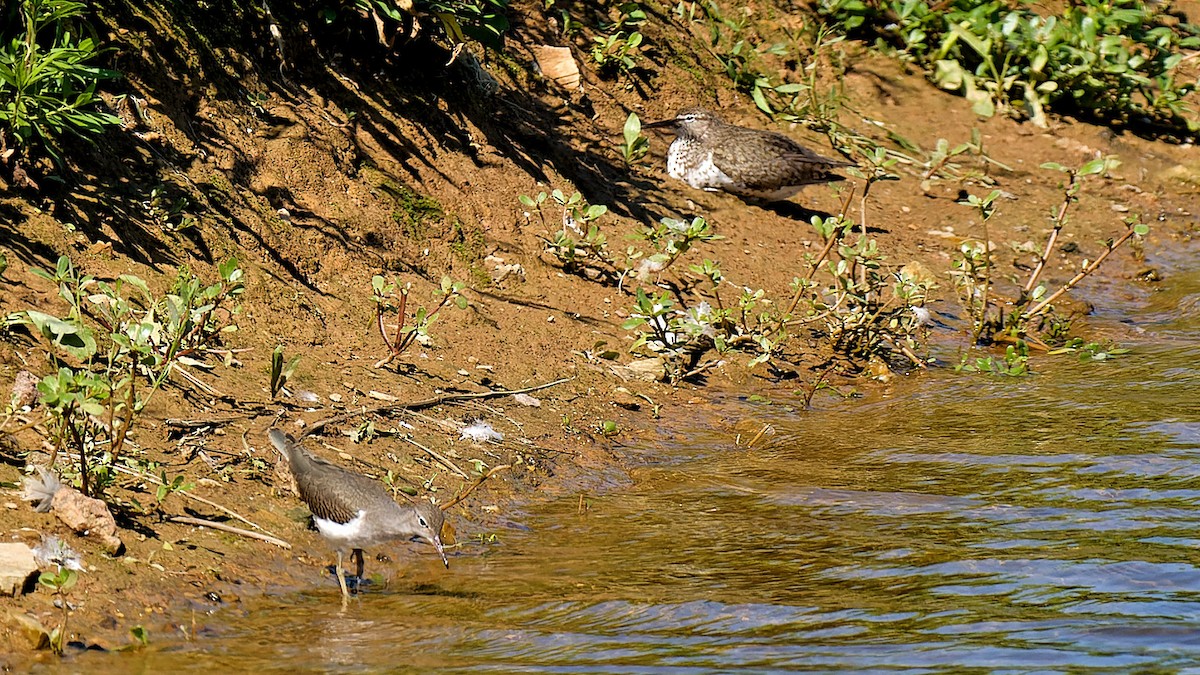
341 534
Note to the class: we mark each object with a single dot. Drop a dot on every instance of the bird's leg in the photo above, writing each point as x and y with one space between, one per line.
341 579
358 562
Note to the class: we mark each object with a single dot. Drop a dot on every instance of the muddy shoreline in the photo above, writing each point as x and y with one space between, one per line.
418 182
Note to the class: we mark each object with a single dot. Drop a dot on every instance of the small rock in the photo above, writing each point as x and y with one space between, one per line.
24 390
651 369
527 400
336 398
623 398
17 565
34 631
86 515
558 64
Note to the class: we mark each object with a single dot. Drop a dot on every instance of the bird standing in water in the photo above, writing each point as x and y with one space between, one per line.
352 511
711 154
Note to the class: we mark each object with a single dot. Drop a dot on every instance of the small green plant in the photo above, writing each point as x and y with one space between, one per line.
47 81
1014 363
60 583
113 338
390 297
636 145
617 52
579 247
1113 59
280 373
169 486
973 272
1029 319
1089 351
170 214
1031 311
670 238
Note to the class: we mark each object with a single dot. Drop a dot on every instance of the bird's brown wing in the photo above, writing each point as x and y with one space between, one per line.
330 491
768 160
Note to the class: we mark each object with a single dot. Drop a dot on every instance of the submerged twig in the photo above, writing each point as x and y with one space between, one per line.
476 484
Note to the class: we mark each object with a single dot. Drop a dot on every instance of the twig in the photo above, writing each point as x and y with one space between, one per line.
761 432
477 483
229 528
427 403
196 382
1041 306
440 458
141 474
200 424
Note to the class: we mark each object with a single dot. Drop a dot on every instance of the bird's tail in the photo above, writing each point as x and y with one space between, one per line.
296 455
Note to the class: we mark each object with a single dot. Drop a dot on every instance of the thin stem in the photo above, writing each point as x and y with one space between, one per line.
401 312
1041 306
987 281
1060 219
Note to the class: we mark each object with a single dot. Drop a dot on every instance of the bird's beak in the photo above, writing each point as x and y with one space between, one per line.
661 124
437 543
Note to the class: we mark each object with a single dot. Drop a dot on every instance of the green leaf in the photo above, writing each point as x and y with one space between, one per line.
761 101
76 339
633 129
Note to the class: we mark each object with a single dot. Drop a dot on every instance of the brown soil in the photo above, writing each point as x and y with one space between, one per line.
398 164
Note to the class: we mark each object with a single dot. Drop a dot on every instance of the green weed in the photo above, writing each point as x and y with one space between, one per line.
390 297
47 81
115 347
1112 59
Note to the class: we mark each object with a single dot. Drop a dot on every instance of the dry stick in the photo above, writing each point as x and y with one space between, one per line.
229 528
427 403
440 458
202 500
1041 306
477 483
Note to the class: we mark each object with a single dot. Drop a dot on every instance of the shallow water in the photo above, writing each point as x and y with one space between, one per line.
955 523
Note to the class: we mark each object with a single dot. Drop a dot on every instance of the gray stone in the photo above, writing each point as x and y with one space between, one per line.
16 567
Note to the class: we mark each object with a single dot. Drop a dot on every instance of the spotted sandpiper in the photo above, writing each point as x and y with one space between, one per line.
353 511
710 154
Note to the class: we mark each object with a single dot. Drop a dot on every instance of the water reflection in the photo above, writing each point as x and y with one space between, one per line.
955 523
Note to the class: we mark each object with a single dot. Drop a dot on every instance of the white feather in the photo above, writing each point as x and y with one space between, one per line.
480 432
341 535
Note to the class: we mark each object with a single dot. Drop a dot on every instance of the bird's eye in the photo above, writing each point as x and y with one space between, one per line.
422 521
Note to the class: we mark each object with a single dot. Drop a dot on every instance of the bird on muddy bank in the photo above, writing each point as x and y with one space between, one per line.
352 511
710 154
